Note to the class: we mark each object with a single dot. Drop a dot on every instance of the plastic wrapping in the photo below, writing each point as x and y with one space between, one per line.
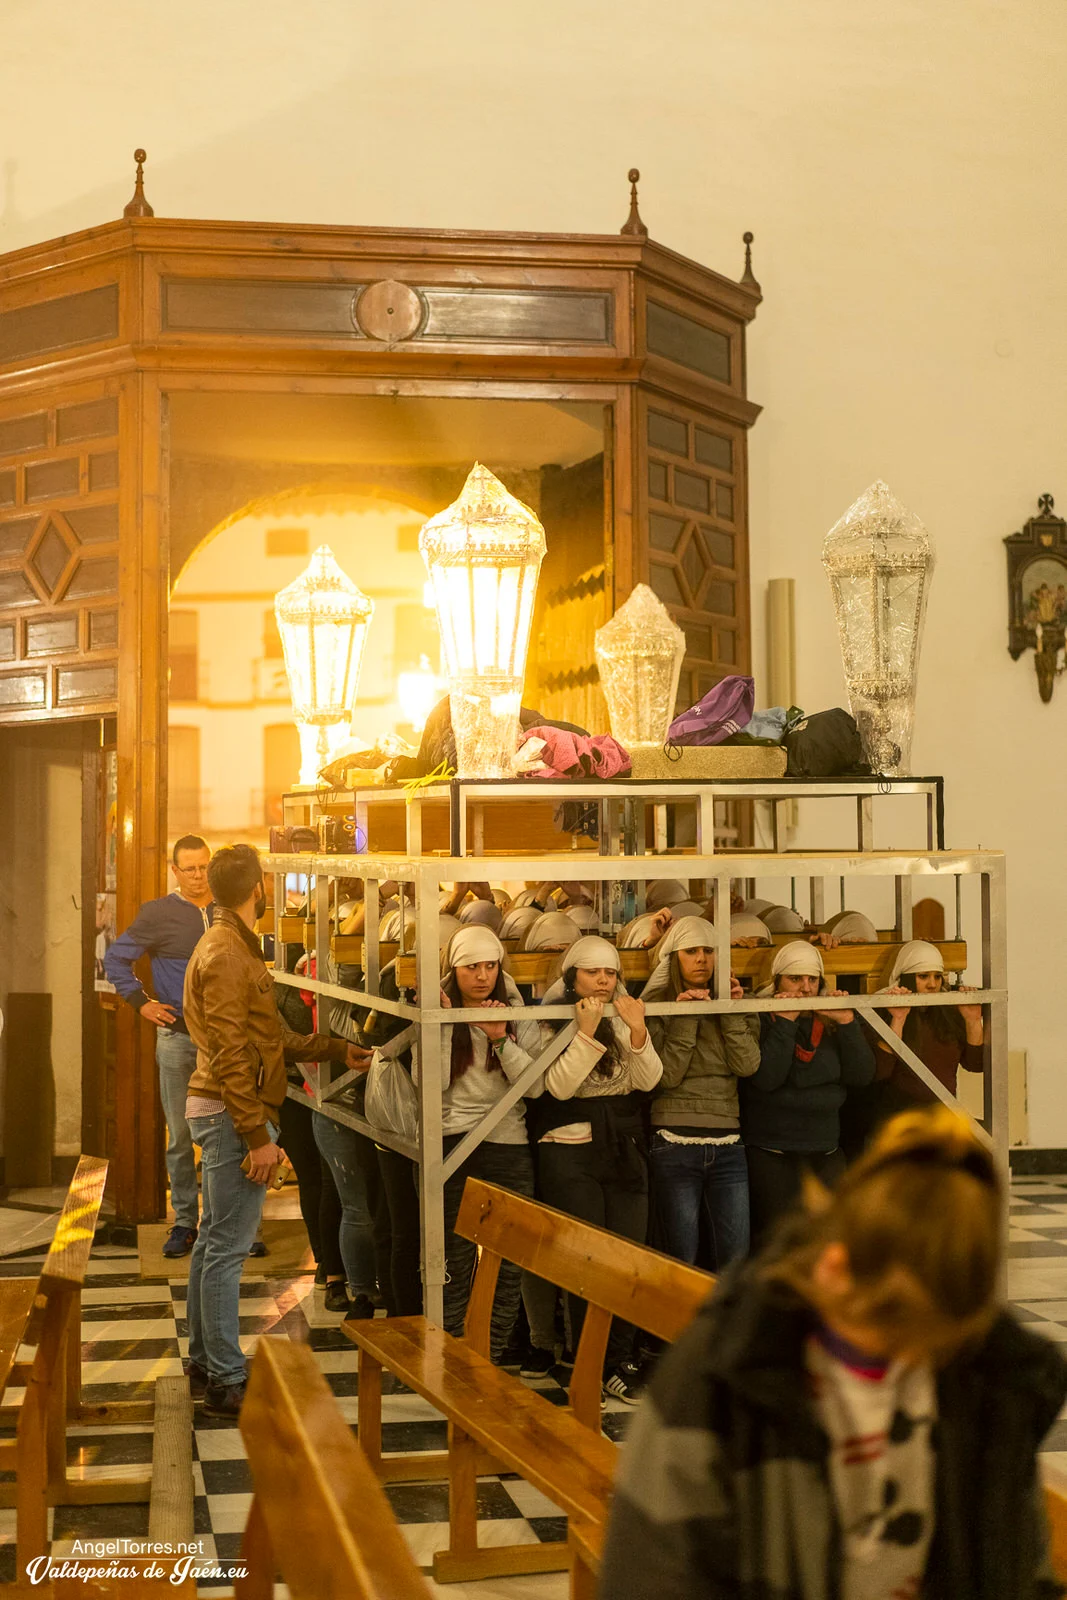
879 559
483 555
640 654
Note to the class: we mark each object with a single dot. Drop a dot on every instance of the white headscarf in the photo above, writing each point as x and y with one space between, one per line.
636 932
756 908
798 959
590 952
585 917
689 933
686 908
916 956
555 930
502 899
390 925
524 898
471 945
851 927
743 925
664 892
517 921
482 913
781 919
447 925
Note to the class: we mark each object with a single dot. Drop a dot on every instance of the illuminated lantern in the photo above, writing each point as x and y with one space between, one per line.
483 555
879 559
639 654
323 619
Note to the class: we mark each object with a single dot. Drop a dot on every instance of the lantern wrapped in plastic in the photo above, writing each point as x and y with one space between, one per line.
879 559
483 555
323 619
640 654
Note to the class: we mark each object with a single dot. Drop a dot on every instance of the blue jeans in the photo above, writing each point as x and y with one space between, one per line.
337 1145
691 1180
176 1058
233 1206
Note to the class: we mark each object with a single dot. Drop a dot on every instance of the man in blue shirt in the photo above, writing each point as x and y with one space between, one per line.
168 930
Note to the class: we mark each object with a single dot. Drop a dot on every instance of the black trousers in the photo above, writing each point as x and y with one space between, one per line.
402 1286
775 1180
320 1204
584 1181
511 1166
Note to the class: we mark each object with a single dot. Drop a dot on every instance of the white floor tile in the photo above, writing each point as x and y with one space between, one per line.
219 1444
229 1512
530 1501
530 1586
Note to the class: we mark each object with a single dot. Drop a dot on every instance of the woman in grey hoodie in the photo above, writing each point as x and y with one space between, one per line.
698 1161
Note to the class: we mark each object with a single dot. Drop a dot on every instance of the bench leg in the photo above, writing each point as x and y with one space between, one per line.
31 1483
369 1410
465 1560
257 1557
583 1578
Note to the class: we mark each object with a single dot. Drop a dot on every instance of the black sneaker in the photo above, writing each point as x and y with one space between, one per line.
258 1248
224 1400
198 1378
538 1364
513 1355
320 1276
566 1358
361 1307
179 1242
336 1297
623 1383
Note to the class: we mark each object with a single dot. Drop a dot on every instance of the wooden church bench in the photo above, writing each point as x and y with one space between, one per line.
494 1420
319 1516
43 1314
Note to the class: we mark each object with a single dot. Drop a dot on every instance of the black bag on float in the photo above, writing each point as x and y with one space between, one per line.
823 745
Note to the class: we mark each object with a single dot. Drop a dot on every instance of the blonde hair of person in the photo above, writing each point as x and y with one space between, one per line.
920 1219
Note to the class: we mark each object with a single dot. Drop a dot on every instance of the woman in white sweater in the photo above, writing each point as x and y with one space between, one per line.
479 1062
591 1153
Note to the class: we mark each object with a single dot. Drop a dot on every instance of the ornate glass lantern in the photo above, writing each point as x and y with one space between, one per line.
640 654
323 619
483 555
879 559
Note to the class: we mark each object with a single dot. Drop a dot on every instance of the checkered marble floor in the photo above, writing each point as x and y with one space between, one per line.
135 1331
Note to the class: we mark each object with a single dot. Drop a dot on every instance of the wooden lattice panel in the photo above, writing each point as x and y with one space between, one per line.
697 538
59 558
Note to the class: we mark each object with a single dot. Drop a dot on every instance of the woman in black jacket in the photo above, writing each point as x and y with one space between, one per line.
790 1107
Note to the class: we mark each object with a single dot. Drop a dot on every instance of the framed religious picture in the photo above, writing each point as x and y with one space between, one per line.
1037 593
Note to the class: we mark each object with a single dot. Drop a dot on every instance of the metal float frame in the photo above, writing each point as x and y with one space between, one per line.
426 1021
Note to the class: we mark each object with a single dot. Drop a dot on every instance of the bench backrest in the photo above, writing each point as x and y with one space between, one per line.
319 1514
614 1276
68 1254
1055 1482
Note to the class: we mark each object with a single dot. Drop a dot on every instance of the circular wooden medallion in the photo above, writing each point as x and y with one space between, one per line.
389 310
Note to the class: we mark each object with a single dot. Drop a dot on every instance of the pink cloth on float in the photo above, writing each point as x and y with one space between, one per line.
575 755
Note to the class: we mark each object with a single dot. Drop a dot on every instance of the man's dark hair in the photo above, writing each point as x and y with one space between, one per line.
188 841
233 874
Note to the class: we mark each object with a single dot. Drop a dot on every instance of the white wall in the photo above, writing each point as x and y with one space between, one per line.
903 168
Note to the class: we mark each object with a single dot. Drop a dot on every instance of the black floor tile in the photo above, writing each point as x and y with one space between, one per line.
615 1424
201 1514
119 1311
1056 1437
99 1394
550 1530
401 1437
100 1522
133 1349
227 1477
111 1448
343 1383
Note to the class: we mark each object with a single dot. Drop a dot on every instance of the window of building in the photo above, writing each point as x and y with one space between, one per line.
281 767
184 648
183 780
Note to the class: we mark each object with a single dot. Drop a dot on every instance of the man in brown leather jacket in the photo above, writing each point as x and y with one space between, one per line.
235 1093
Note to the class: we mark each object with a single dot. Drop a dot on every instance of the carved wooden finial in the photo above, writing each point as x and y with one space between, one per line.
633 224
748 276
138 206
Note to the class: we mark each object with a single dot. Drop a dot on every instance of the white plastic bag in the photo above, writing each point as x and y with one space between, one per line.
391 1101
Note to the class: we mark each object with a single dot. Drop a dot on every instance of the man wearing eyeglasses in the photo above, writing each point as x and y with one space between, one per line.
168 931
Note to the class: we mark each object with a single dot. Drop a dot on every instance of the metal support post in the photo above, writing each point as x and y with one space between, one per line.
429 1054
818 901
865 821
903 898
